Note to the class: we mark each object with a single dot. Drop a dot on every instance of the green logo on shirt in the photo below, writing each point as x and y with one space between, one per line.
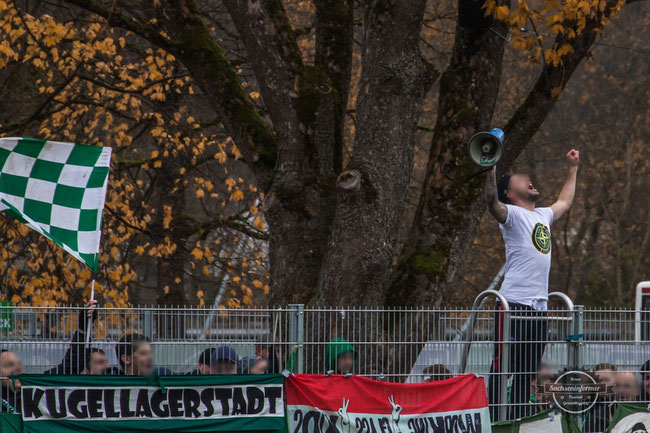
542 238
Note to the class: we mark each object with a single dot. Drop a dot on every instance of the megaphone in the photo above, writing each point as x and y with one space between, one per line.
485 148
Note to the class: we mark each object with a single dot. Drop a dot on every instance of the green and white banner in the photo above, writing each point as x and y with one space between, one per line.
57 189
188 404
630 418
548 421
10 423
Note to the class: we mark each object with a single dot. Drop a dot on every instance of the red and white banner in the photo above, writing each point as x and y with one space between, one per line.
331 404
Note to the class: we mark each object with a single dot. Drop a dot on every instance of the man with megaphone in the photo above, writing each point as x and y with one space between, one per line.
527 237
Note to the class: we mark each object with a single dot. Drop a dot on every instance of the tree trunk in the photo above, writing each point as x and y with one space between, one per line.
306 105
371 190
447 216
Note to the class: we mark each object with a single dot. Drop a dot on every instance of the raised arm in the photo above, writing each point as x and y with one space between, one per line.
498 210
74 359
565 199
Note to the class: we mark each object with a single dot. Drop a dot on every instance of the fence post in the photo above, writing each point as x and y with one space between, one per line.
576 348
578 332
297 334
504 372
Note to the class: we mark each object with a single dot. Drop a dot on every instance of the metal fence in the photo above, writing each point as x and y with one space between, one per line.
393 344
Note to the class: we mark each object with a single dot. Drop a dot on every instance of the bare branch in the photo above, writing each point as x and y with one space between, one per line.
190 41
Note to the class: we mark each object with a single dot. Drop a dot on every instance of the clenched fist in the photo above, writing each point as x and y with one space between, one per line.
574 157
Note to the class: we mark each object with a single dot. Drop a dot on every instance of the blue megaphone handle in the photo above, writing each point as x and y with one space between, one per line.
498 133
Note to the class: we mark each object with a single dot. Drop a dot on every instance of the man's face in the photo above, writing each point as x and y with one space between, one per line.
98 363
607 377
260 367
224 366
141 362
344 363
10 364
262 351
204 368
521 188
626 387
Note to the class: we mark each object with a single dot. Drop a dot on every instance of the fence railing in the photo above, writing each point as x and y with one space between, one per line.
395 344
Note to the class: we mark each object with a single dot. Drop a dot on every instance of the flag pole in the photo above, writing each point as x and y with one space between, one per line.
89 328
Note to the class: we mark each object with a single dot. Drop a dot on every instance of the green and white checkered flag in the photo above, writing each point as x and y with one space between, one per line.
57 189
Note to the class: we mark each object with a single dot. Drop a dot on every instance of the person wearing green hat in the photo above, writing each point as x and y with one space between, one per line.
340 356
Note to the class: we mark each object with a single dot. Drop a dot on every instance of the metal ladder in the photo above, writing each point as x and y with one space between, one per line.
573 354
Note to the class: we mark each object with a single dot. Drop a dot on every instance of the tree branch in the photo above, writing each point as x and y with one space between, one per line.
115 19
190 41
530 115
277 63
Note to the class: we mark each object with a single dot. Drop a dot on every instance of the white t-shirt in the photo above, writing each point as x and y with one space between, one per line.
527 236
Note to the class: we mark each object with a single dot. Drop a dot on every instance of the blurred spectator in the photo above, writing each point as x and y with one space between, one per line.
270 353
253 365
263 346
627 386
204 362
74 360
224 361
600 415
10 389
605 373
436 372
340 356
96 362
273 358
244 364
544 376
258 366
135 356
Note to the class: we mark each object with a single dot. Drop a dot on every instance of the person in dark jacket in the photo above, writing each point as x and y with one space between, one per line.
599 416
74 360
340 356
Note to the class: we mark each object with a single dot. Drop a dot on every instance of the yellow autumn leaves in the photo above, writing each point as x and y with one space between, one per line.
534 26
172 167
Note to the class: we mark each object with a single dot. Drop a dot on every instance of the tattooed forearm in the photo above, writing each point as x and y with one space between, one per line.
498 210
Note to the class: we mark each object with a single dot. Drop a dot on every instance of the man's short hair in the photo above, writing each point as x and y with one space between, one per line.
502 188
206 356
128 344
89 354
604 366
